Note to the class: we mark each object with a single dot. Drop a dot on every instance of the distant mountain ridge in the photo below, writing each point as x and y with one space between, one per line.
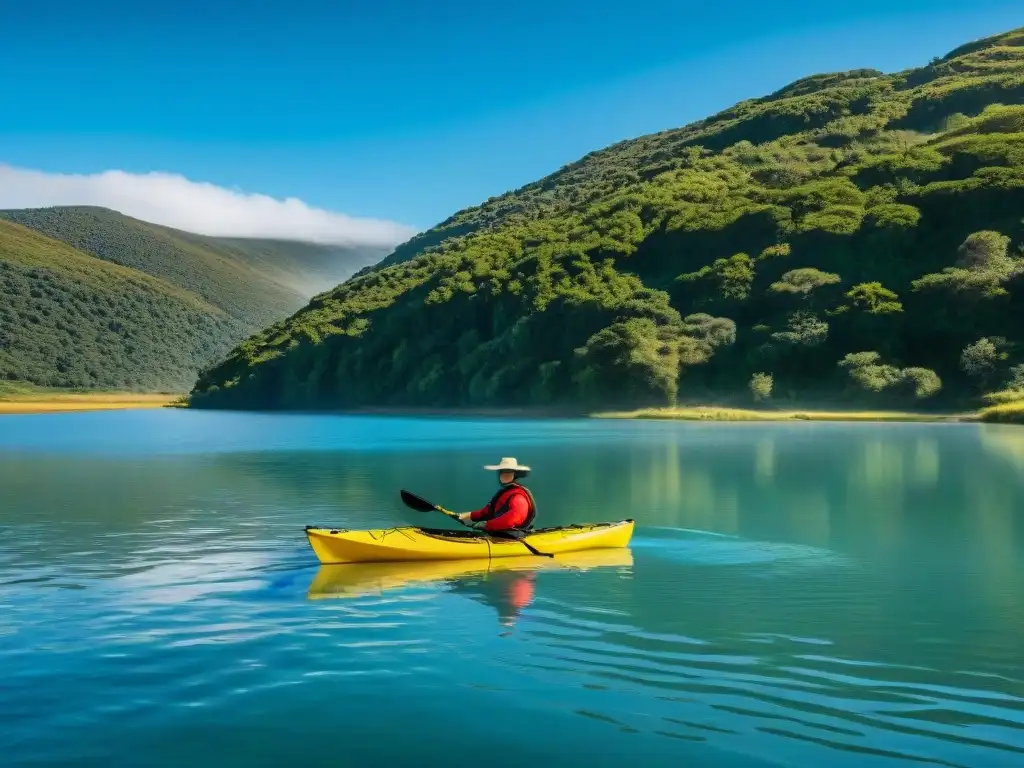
307 268
212 292
252 279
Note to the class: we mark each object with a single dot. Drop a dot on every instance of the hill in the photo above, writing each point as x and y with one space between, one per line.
68 319
851 237
232 288
255 281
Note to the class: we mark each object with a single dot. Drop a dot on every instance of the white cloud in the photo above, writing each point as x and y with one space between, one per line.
199 207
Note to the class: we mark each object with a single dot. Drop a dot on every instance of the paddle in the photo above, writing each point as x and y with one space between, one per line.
422 505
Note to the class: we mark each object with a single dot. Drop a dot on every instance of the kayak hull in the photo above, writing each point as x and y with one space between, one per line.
408 544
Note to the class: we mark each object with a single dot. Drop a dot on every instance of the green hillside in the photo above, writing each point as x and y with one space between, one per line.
68 319
203 267
256 281
852 237
242 284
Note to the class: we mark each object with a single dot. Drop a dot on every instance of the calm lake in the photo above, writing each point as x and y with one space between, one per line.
795 595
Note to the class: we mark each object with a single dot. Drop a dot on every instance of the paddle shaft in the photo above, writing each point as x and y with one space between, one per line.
422 505
512 536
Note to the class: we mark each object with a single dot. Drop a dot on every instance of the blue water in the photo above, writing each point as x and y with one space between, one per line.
795 595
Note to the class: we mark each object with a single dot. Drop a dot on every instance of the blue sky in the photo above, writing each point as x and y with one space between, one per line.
409 111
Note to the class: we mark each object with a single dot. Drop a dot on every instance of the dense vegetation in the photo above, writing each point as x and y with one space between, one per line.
854 236
209 294
68 319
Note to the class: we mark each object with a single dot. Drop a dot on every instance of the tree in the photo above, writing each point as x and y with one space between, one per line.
635 361
985 250
804 280
869 373
779 250
733 276
981 359
761 386
983 264
874 298
714 331
803 329
921 382
1016 377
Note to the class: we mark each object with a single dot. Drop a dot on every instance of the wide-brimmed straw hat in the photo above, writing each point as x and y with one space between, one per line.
508 464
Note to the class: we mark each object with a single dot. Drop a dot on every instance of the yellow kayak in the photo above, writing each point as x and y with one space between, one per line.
336 545
355 579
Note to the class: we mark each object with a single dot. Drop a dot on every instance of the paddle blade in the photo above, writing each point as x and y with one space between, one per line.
413 501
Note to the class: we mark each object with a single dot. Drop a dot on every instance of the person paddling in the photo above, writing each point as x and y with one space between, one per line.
512 507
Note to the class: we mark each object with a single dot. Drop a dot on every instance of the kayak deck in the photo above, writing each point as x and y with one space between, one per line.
405 544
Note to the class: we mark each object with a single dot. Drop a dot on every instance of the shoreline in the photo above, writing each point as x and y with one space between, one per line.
705 413
728 414
686 413
473 413
23 403
40 402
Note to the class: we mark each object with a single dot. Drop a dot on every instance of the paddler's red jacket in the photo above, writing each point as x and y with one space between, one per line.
511 509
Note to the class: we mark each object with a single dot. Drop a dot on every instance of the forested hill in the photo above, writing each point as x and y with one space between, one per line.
853 236
94 299
255 281
69 319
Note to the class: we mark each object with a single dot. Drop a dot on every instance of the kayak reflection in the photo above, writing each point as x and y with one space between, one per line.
506 584
507 592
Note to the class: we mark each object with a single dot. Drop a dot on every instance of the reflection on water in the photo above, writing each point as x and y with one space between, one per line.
1005 442
506 584
810 594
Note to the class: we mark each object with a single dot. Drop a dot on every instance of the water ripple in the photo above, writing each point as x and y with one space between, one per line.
166 599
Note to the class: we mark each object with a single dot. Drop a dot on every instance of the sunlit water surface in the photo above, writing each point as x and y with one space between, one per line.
795 594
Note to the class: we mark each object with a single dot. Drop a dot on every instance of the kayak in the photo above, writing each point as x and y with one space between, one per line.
338 545
359 579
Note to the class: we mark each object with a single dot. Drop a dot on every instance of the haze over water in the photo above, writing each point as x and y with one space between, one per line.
795 595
